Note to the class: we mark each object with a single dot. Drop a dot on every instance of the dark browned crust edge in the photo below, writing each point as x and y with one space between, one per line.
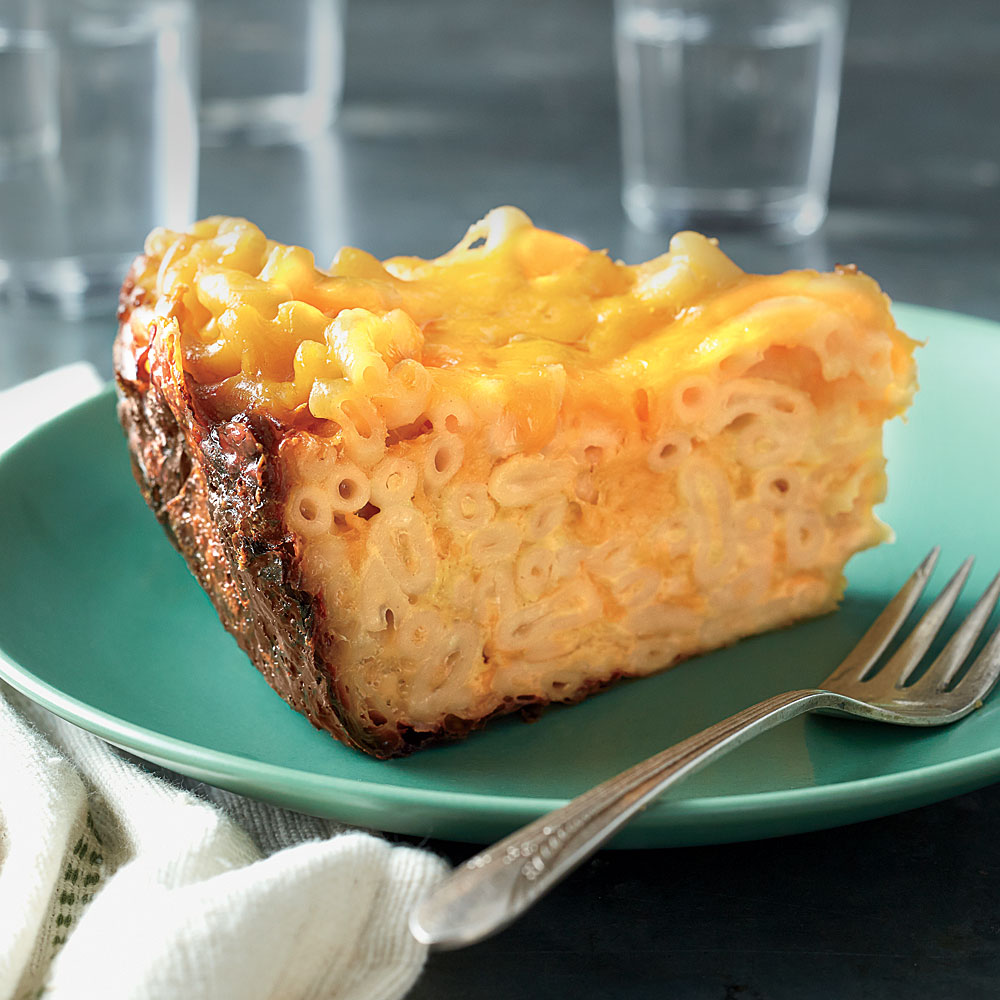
215 488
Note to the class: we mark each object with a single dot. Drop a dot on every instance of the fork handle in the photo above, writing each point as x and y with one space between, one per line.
491 889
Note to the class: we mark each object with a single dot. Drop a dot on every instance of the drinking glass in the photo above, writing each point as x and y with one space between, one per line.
270 72
728 111
98 142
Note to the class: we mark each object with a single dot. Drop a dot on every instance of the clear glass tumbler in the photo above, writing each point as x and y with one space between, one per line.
728 111
270 72
98 142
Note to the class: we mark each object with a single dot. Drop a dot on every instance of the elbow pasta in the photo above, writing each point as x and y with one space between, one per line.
394 481
522 468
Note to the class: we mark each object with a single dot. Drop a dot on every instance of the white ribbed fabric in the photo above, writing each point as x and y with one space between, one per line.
116 882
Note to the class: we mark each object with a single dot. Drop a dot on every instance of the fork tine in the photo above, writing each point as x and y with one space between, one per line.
983 674
872 644
908 656
940 673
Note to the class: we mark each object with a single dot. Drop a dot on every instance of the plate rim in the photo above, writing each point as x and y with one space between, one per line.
121 732
980 768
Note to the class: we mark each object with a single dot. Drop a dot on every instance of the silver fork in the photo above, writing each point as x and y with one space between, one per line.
497 885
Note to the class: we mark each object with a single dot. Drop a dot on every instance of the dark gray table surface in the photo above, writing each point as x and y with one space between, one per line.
455 106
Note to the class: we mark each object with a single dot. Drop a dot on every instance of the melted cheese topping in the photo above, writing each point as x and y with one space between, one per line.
514 318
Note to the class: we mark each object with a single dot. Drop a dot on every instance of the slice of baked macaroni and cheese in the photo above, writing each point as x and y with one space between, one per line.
422 493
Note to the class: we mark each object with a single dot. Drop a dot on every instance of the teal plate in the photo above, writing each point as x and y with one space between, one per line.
101 623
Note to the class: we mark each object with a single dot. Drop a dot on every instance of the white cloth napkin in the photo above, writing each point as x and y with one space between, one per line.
119 883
